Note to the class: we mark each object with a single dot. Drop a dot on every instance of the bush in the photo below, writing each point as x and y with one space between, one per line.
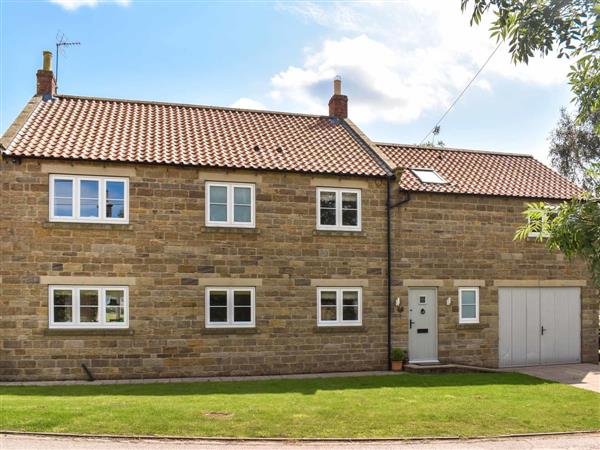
398 354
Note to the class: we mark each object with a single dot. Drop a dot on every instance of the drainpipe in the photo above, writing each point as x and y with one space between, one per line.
389 261
389 270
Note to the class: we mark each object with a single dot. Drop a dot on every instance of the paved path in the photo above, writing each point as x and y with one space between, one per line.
20 442
585 376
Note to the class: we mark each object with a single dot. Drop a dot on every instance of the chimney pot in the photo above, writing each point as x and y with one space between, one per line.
338 103
47 60
337 85
45 83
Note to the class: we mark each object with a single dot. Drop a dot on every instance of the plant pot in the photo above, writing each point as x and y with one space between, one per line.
397 366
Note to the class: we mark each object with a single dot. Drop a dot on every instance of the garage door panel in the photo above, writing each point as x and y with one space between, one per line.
548 322
523 312
504 327
519 326
567 318
532 342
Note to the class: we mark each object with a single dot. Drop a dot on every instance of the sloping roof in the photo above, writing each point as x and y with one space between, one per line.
138 131
88 128
477 172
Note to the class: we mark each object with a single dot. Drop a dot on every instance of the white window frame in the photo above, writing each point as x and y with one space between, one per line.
338 209
414 170
339 322
230 295
75 323
460 317
230 205
543 233
76 180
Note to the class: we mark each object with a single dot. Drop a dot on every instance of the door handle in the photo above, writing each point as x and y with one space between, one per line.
543 329
410 323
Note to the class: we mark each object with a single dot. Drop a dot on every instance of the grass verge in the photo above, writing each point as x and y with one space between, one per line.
404 405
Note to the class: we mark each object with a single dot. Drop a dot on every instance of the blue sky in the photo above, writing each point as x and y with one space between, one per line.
401 63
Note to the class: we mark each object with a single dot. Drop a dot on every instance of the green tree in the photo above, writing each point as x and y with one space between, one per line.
569 27
575 147
573 227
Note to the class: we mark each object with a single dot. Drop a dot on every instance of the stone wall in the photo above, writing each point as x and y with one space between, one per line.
169 256
446 238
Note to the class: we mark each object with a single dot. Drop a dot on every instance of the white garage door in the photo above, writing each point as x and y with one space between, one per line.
539 326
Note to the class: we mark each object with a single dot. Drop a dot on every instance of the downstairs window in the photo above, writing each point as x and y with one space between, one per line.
468 305
339 306
88 307
229 307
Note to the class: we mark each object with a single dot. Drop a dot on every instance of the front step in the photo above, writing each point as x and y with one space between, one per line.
444 368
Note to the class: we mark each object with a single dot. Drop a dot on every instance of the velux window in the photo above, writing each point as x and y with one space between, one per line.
338 209
339 306
229 307
88 307
89 199
468 305
428 176
230 205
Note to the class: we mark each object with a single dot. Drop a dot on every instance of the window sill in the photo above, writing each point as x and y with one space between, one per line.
88 332
340 329
471 326
229 330
236 230
357 233
89 226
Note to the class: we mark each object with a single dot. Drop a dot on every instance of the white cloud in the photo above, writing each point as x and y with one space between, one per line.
399 60
72 5
247 103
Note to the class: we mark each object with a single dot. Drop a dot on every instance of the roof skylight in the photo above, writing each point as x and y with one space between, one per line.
428 176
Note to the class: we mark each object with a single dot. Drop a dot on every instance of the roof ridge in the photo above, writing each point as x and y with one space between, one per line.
454 149
370 147
189 105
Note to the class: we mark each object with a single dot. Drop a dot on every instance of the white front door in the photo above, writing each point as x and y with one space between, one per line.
422 325
539 326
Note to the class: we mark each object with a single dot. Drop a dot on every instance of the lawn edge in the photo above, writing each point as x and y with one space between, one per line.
282 439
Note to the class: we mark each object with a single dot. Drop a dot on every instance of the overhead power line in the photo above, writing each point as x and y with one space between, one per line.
437 124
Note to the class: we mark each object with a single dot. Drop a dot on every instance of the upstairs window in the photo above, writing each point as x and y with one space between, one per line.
541 225
89 199
88 307
230 205
229 307
428 176
338 209
468 305
339 306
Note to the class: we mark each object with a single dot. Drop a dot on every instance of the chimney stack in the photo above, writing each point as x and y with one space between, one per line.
46 84
338 103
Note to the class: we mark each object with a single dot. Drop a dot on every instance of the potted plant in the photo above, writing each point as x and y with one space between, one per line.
398 357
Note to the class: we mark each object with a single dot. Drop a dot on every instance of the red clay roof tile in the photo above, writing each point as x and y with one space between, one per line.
481 173
137 131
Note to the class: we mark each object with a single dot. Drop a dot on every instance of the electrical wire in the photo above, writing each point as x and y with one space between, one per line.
462 92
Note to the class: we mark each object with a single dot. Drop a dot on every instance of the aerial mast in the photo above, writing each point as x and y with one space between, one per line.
61 41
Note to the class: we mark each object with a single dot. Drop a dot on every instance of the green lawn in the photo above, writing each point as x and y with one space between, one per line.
377 406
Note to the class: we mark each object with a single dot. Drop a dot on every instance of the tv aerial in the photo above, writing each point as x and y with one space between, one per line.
61 43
